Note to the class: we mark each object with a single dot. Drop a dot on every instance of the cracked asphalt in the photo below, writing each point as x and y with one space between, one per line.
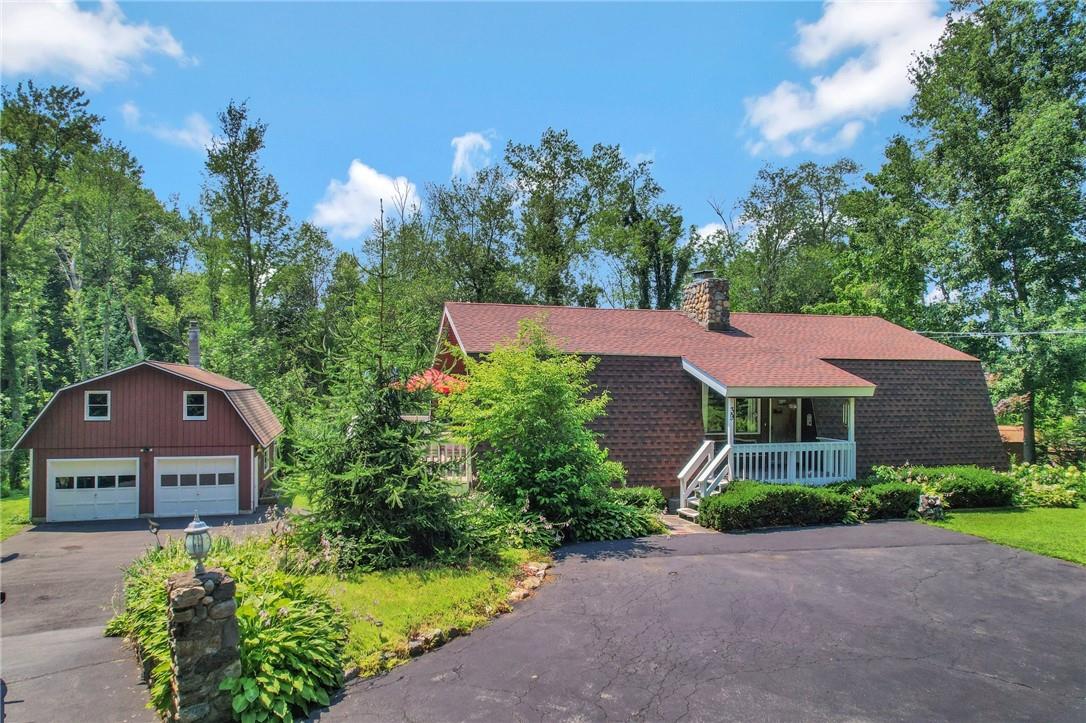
888 621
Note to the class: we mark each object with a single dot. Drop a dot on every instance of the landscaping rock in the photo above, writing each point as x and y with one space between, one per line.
415 647
518 594
530 583
539 569
431 638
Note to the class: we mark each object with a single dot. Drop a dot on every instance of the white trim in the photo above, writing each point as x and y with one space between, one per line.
185 405
49 479
739 392
253 484
691 368
156 486
86 405
852 420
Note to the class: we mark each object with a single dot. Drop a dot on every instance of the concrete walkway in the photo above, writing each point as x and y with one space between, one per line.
886 621
62 582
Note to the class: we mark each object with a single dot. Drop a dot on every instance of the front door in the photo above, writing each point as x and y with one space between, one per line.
782 420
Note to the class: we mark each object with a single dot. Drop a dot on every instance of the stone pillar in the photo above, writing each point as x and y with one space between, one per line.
204 644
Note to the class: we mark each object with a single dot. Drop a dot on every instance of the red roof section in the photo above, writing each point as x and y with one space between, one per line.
201 376
760 350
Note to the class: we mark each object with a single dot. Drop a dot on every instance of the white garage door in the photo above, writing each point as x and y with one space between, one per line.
92 489
184 485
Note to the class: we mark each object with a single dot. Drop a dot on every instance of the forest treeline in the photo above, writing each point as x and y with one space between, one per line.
974 222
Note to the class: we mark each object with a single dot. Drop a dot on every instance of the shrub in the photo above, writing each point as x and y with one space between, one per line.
496 525
961 486
888 500
525 410
1043 485
610 519
291 639
746 505
646 498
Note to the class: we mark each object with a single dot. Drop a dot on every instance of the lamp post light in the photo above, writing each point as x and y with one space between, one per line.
198 541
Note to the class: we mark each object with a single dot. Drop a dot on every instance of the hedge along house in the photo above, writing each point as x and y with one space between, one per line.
151 439
701 396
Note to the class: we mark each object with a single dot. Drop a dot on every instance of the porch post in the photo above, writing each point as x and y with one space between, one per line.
731 420
852 436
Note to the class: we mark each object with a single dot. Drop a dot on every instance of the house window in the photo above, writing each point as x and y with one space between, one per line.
96 406
195 405
748 417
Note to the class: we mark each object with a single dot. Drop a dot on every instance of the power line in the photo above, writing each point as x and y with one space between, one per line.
1040 332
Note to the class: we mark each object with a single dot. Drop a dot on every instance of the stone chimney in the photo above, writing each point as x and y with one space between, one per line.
194 343
705 300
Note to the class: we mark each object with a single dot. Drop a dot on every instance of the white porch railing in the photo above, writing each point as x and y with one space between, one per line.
814 463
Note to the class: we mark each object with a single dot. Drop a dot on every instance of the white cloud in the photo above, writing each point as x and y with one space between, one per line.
350 207
90 46
828 113
194 133
710 228
471 152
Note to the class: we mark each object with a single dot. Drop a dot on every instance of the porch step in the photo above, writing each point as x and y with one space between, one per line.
688 514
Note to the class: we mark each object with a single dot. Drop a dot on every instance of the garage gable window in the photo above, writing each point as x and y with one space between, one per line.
195 405
96 406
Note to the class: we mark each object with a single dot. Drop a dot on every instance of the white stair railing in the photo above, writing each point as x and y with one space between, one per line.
702 475
691 470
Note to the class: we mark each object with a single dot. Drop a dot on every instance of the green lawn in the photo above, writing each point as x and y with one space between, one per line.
384 609
14 512
1056 532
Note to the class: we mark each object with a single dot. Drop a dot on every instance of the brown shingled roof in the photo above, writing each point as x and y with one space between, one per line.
759 350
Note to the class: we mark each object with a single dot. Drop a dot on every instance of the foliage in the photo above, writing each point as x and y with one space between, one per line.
375 500
644 497
889 500
1041 485
525 410
746 505
492 524
1052 532
962 486
14 512
1000 115
291 645
291 638
779 250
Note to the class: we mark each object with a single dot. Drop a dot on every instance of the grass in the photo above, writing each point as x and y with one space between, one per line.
1052 531
14 512
385 609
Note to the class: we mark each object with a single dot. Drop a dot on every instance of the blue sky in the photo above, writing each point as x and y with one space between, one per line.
358 96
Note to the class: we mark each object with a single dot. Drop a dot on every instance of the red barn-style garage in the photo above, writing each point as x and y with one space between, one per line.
152 439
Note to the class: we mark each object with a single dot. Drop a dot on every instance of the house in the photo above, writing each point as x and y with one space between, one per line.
151 439
702 395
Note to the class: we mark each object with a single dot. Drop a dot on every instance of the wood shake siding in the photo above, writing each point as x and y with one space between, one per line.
923 412
653 423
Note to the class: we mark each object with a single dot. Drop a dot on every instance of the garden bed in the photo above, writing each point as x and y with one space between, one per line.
364 623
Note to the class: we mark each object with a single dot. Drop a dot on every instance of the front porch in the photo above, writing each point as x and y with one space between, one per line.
770 439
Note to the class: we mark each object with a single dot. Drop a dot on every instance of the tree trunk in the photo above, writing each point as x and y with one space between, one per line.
133 330
1029 443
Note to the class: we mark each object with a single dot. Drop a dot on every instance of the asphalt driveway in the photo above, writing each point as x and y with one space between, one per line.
61 582
890 621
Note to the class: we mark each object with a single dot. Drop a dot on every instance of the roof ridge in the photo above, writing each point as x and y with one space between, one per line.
559 306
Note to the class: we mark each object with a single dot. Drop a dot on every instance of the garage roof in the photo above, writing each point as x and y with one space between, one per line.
246 400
